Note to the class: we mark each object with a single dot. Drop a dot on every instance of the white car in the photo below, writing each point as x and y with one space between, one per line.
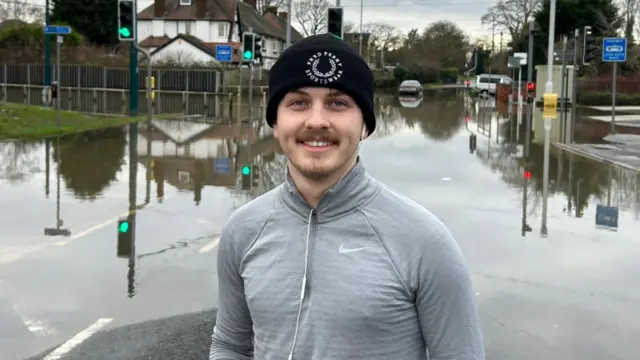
410 87
486 83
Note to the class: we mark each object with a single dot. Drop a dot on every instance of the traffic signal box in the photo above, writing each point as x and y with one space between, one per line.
251 47
126 20
589 46
334 21
124 237
246 177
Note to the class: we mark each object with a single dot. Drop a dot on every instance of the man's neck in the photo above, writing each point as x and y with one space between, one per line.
313 190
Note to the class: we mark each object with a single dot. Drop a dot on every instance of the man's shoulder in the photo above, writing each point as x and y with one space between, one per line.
395 213
249 219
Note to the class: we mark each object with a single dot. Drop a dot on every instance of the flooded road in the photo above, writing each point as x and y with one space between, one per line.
570 295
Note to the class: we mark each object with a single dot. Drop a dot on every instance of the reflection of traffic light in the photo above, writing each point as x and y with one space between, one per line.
589 46
527 174
334 21
531 92
247 47
126 20
256 175
257 47
473 142
124 237
246 177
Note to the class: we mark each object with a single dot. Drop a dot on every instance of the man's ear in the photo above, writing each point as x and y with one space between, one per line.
365 133
275 130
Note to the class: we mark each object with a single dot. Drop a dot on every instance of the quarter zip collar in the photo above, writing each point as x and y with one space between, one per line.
351 192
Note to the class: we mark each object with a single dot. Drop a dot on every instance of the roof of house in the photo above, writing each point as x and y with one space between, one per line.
155 41
281 24
223 10
191 40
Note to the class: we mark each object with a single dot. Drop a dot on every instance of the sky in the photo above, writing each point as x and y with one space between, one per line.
408 14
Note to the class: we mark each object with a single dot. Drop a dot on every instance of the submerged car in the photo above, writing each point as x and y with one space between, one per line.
410 87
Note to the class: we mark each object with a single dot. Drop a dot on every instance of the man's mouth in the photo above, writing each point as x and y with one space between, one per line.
318 143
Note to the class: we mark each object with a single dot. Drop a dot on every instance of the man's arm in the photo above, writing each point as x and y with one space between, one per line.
232 335
446 302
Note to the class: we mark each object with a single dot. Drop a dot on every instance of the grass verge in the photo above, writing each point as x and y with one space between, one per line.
24 121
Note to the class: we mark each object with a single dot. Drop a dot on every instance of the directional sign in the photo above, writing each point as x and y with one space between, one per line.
223 52
57 30
607 217
614 49
522 57
222 165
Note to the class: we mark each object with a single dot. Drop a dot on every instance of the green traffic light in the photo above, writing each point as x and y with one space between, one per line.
124 227
124 32
246 170
247 54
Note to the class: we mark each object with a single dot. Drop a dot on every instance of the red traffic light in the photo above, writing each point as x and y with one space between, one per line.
527 174
531 86
466 119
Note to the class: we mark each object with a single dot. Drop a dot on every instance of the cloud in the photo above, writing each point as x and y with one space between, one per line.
409 14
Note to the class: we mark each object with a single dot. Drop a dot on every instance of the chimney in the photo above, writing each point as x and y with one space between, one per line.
201 9
159 8
253 3
271 9
282 15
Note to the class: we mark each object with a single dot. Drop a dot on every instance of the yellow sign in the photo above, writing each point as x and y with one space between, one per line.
153 81
550 106
153 95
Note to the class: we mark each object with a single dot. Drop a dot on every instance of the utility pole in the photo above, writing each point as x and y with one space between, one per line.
532 32
47 48
574 92
493 31
288 23
500 41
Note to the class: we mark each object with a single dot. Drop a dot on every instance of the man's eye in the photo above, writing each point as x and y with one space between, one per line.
298 103
339 103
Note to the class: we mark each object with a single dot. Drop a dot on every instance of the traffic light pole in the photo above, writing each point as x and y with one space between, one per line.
527 143
613 98
148 83
574 86
547 120
47 48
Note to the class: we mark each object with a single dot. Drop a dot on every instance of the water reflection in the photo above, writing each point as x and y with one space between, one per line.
58 230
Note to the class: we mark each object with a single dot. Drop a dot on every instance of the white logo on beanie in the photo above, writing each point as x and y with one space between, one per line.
325 60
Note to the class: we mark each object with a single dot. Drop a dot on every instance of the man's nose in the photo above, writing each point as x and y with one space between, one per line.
318 117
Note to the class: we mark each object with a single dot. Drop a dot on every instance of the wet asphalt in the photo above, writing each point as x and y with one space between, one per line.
569 295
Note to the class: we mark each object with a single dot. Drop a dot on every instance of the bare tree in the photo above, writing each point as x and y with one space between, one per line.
348 27
511 15
385 37
630 9
263 5
21 10
311 16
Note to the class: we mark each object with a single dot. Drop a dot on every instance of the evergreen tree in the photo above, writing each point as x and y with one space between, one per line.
96 20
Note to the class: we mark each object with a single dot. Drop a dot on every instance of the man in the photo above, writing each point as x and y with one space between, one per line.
332 265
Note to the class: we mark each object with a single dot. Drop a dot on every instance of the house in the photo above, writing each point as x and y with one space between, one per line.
204 24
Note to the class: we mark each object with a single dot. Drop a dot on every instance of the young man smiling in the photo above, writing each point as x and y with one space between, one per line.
332 265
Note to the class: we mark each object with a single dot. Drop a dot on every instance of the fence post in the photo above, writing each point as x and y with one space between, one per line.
124 102
186 108
94 96
158 105
69 97
24 94
79 91
6 82
230 114
104 89
206 108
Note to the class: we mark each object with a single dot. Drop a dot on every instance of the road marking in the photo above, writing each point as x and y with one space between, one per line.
78 339
37 327
210 246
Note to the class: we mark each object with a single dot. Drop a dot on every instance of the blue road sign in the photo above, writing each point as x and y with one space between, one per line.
607 216
614 49
57 30
222 165
223 52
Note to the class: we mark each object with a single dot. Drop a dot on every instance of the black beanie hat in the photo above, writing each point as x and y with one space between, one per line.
322 61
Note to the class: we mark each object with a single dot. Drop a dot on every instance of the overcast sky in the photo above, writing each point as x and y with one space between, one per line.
408 14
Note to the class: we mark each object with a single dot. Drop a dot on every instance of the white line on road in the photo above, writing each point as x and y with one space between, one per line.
78 339
37 327
210 246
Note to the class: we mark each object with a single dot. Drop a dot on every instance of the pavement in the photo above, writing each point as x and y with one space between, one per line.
620 155
562 296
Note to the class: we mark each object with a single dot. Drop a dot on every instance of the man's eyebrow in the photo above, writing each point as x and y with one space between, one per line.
298 92
334 92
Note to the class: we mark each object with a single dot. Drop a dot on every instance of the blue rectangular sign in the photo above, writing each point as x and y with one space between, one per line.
607 216
223 52
57 30
614 49
222 165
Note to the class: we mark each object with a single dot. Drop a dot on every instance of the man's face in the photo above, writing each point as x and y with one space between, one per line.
319 130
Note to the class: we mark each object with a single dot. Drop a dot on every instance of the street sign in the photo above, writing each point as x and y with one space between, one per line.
550 109
223 52
607 217
522 56
512 62
222 165
57 30
614 49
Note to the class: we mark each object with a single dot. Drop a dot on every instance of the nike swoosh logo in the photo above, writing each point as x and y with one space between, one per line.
343 250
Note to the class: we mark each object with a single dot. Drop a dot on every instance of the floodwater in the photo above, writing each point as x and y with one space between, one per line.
64 266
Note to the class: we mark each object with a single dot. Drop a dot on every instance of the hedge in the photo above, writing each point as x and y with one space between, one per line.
604 99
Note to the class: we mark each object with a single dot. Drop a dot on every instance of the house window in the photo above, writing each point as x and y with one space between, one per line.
187 27
185 2
222 29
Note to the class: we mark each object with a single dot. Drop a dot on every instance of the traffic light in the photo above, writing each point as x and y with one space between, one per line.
126 20
124 238
247 47
473 143
257 47
531 92
589 46
246 177
255 169
527 174
334 21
